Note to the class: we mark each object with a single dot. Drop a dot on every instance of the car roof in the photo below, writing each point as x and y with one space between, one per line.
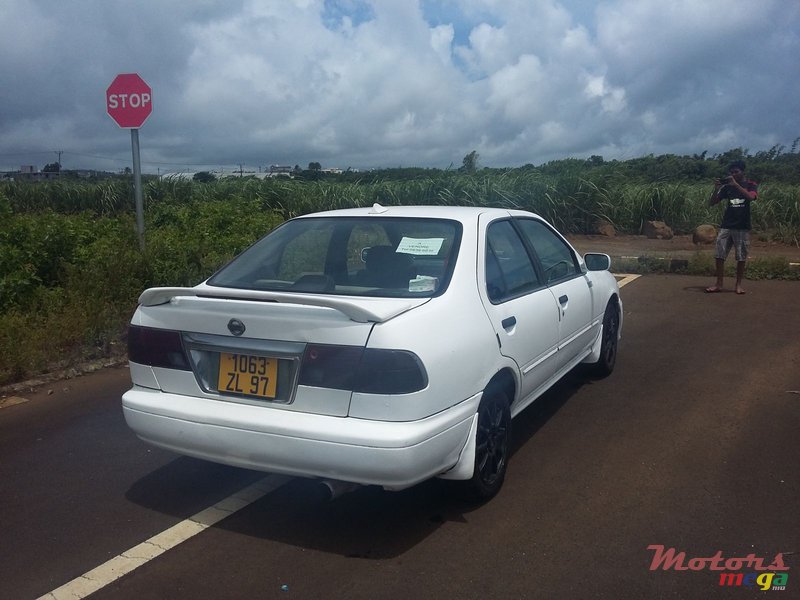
463 214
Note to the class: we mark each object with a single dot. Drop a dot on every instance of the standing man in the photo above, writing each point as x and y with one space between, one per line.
735 229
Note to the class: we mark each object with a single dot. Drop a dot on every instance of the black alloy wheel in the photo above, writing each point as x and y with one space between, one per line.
608 348
492 445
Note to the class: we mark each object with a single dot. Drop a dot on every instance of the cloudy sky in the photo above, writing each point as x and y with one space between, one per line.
386 83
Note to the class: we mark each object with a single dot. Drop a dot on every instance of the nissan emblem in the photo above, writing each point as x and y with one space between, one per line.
236 327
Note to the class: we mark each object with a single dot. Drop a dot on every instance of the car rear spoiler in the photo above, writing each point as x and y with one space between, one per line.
361 310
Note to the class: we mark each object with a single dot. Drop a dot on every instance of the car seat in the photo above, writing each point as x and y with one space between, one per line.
386 268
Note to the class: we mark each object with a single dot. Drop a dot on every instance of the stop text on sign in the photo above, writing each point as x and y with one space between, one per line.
128 100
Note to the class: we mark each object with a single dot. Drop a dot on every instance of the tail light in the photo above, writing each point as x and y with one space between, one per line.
330 366
390 372
157 348
370 370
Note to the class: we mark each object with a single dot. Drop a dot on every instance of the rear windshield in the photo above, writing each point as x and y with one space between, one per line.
352 256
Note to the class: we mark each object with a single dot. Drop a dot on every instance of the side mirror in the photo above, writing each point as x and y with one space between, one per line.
597 262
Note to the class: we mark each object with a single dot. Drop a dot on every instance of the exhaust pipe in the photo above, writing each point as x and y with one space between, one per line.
334 488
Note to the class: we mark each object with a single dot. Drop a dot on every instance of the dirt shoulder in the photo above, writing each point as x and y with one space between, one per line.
680 246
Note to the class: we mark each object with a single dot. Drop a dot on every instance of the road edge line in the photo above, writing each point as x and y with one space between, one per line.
141 554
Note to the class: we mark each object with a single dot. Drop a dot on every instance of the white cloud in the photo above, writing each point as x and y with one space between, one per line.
488 49
611 99
442 42
519 91
399 82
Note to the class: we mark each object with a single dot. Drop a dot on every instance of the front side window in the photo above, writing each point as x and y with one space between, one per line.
557 259
359 256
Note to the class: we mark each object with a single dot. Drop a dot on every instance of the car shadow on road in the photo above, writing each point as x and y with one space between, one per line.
368 523
529 421
185 486
365 523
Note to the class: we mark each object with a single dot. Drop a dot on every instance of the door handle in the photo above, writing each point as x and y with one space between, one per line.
563 300
509 322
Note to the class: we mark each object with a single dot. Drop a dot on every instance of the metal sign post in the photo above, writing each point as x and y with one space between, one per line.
137 187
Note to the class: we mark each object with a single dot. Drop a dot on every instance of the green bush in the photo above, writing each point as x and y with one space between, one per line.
69 283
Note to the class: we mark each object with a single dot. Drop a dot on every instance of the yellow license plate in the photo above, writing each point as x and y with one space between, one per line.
249 375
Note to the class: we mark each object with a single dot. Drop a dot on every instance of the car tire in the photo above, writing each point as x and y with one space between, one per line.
608 347
492 446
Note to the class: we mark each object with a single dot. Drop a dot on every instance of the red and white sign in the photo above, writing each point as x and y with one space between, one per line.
129 100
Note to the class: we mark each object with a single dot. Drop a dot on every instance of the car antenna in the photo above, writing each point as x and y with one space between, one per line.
377 209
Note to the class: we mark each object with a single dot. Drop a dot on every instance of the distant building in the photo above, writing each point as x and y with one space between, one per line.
88 173
280 171
32 173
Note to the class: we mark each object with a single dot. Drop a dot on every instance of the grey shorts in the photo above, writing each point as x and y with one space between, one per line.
733 238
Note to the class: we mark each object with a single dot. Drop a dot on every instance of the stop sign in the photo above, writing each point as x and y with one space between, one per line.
129 100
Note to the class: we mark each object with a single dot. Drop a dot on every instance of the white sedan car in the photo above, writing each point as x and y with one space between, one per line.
380 346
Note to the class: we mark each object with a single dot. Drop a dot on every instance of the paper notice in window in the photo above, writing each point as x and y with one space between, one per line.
420 246
423 283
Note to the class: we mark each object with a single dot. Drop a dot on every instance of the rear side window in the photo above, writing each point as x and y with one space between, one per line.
357 256
509 270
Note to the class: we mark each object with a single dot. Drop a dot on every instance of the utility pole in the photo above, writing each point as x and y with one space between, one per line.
59 153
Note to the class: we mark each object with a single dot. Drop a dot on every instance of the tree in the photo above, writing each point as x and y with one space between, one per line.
470 162
204 177
52 168
595 160
314 166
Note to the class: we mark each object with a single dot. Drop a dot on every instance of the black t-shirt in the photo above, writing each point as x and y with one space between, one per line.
737 213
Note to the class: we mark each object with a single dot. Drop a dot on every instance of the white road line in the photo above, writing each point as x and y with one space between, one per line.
11 401
131 559
626 279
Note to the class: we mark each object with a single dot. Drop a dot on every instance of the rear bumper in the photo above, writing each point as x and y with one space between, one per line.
394 455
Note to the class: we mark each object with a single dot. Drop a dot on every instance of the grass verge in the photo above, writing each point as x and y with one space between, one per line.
705 265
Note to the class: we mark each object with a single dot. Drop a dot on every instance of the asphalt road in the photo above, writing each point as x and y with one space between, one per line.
692 444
